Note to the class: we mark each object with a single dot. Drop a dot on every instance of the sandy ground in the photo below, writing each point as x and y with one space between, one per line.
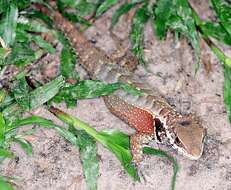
55 164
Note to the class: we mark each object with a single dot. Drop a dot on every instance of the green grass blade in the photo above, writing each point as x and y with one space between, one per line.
122 153
44 123
91 89
43 43
223 10
182 21
162 16
216 30
136 35
67 63
120 11
74 17
32 26
88 156
227 90
105 6
6 153
46 92
9 23
4 185
149 150
26 145
80 139
2 129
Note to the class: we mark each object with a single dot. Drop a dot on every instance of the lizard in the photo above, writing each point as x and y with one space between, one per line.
150 114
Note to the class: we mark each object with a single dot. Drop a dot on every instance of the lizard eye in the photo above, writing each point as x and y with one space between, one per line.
185 123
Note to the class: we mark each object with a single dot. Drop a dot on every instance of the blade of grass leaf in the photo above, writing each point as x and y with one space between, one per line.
44 93
32 26
4 52
182 21
26 145
216 50
5 185
39 15
2 129
136 35
162 16
21 54
9 23
67 63
215 30
105 6
122 153
227 90
91 89
78 138
6 153
223 10
124 8
43 43
74 17
88 156
44 123
149 150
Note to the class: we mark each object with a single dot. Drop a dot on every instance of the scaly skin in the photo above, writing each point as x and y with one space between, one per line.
150 115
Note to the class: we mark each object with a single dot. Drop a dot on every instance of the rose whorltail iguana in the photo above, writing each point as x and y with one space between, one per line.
150 115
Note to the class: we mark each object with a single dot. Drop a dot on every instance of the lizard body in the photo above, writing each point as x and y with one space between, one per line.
150 114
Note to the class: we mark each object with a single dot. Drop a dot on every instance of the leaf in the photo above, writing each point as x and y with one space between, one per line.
227 90
8 24
223 10
122 153
2 129
105 6
157 152
43 43
136 35
21 54
3 96
5 185
162 14
67 63
42 94
182 21
124 8
26 145
20 92
32 26
88 156
44 123
39 15
74 17
6 153
92 89
215 30
4 52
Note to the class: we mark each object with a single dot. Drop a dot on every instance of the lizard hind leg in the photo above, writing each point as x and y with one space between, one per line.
137 141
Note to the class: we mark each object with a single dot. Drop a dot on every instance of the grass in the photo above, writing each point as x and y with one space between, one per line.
21 44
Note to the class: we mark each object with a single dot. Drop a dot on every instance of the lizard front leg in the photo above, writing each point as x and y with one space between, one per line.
141 120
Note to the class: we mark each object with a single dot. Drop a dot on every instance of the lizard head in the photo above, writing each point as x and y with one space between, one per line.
189 136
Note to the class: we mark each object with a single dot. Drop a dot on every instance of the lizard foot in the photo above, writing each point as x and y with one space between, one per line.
137 141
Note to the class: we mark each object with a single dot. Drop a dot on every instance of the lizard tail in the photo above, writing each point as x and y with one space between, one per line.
90 57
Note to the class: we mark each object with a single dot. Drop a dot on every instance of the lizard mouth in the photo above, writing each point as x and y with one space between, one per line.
160 130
